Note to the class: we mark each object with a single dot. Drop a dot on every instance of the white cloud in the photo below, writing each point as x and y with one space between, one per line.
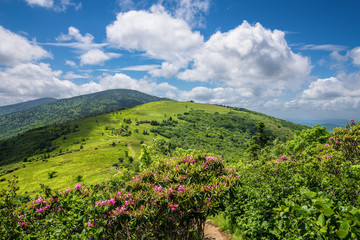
58 6
250 57
34 80
158 34
70 63
141 68
355 55
96 57
126 4
72 75
324 47
192 11
75 39
41 3
329 88
120 80
31 81
15 49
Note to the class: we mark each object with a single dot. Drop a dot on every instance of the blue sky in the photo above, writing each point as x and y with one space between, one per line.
289 59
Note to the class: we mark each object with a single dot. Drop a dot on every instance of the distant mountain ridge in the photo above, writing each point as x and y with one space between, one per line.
330 124
71 109
18 107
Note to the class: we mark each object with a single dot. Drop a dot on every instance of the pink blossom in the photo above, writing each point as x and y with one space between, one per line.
90 224
40 200
283 157
111 201
337 142
331 138
77 186
67 190
330 156
352 120
327 144
170 190
181 188
158 188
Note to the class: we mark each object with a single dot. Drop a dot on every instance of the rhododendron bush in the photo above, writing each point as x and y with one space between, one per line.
172 199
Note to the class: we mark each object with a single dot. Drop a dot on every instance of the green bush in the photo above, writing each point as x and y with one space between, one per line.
171 199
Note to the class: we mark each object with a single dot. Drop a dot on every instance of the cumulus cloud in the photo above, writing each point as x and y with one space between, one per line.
15 49
75 39
158 34
249 57
34 80
31 81
339 95
355 55
328 88
96 57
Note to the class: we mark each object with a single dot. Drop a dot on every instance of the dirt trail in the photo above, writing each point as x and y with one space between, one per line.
213 232
131 151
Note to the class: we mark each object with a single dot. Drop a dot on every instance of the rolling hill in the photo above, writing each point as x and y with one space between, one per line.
5 110
70 109
98 147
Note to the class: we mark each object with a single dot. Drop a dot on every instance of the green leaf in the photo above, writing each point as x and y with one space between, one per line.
328 212
310 194
345 226
324 229
342 233
321 220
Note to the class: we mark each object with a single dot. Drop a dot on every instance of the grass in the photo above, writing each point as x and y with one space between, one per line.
96 158
94 151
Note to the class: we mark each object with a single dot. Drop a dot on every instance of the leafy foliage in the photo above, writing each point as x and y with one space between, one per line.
270 202
225 134
5 110
172 199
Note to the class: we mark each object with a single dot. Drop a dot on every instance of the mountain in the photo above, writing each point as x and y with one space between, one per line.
98 147
330 124
71 109
5 110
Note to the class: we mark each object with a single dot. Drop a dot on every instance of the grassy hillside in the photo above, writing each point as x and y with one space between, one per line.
71 109
5 110
94 146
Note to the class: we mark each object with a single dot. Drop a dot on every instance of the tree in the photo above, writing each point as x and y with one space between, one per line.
258 141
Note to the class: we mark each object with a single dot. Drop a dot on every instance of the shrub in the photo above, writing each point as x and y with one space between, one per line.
172 199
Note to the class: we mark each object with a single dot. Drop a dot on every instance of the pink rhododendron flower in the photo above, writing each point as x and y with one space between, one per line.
89 224
40 200
283 157
327 144
181 188
330 156
352 120
67 190
331 138
77 186
337 142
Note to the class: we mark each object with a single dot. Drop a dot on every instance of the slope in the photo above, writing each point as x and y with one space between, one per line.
5 110
98 147
71 109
